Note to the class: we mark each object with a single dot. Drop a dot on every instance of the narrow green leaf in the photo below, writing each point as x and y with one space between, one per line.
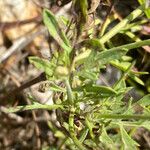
55 30
145 101
92 43
121 116
90 143
90 62
55 87
146 124
109 55
84 134
147 7
136 79
133 15
84 8
132 45
88 75
97 89
100 89
42 64
106 140
123 66
81 8
32 107
90 125
128 142
64 19
82 57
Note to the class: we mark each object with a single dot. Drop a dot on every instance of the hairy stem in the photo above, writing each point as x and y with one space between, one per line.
72 131
32 107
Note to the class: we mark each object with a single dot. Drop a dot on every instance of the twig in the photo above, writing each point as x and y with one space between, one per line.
12 93
8 25
20 43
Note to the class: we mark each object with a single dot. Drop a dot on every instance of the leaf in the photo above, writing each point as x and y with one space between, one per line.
64 20
120 86
145 101
97 89
90 125
147 7
84 8
79 59
90 62
126 58
90 143
88 75
32 107
84 134
136 79
106 140
92 44
59 134
81 8
128 142
105 57
56 88
146 124
43 64
123 66
55 31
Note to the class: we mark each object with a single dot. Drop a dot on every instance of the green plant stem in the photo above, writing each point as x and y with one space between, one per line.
132 45
32 107
72 131
122 24
119 116
69 92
